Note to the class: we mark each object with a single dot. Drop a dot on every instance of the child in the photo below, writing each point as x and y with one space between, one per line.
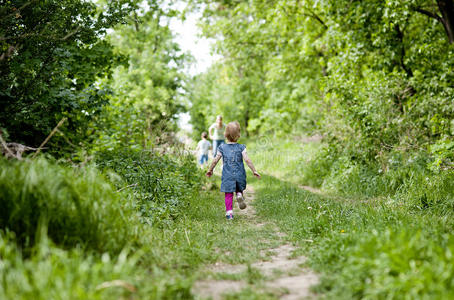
233 173
202 147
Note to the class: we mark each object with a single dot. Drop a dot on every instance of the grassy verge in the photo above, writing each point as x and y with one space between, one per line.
369 248
59 234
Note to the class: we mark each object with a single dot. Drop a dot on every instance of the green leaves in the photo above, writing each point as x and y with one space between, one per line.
51 56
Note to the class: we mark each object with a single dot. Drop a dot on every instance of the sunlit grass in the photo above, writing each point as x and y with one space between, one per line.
147 262
364 248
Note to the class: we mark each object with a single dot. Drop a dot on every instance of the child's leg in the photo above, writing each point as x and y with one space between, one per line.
228 203
238 192
240 198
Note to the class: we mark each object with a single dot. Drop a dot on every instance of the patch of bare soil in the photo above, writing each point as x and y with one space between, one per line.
310 139
214 289
284 275
311 189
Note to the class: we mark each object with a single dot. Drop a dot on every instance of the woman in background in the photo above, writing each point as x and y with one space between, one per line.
216 132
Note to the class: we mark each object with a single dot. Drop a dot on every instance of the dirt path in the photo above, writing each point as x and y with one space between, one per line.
283 275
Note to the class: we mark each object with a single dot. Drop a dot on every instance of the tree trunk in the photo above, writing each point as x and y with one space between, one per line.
447 12
246 120
400 37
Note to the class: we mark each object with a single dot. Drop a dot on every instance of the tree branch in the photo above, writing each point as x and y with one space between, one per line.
49 136
19 9
316 17
3 143
429 14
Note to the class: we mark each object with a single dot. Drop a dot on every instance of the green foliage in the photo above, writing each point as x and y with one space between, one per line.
160 184
369 249
52 53
68 274
147 91
268 73
110 67
78 207
374 77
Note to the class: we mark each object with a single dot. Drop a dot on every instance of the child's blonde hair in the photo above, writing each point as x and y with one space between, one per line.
232 131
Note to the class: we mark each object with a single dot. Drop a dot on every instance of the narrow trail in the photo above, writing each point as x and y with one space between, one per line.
284 276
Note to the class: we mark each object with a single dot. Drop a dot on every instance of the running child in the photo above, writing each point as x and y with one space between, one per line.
233 173
202 149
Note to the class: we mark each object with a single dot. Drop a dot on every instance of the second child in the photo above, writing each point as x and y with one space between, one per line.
233 172
202 149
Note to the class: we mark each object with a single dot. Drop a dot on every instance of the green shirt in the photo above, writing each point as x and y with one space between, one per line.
218 133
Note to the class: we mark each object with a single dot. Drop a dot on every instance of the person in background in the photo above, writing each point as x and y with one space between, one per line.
216 132
202 149
233 174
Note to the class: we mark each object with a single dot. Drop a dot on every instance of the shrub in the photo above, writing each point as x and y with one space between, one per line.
161 184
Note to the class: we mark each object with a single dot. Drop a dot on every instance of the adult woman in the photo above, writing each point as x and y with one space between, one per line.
216 132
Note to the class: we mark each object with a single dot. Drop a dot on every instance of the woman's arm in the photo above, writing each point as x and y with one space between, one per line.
250 164
213 164
210 132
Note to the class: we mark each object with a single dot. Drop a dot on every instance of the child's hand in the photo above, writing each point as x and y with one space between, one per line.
209 173
257 175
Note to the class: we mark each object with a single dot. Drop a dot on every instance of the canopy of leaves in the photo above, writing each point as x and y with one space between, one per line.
371 75
51 53
148 89
110 67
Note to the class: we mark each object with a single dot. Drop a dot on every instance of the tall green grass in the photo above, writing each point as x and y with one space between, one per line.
372 250
66 233
287 159
398 246
78 207
101 245
400 177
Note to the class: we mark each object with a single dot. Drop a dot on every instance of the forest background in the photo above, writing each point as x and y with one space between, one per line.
374 79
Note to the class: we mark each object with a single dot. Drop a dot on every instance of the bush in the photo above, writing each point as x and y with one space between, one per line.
78 206
317 168
161 184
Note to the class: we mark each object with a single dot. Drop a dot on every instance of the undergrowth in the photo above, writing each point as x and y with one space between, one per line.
71 232
78 207
160 184
396 246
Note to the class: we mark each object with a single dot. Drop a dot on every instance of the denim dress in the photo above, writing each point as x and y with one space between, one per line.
233 173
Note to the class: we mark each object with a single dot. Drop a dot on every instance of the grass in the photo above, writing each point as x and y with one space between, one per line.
284 158
373 248
79 258
77 207
90 241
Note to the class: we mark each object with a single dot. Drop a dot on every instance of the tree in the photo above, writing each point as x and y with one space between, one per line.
148 89
51 54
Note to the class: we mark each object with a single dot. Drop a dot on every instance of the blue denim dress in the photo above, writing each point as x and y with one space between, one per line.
233 173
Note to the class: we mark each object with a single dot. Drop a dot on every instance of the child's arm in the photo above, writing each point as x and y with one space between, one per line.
250 164
213 164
